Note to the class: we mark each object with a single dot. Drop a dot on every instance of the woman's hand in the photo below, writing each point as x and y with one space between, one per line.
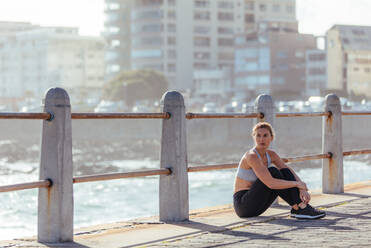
302 186
304 196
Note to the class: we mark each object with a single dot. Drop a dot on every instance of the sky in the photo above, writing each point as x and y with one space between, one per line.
314 16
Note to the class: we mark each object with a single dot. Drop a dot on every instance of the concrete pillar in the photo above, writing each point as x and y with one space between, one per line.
264 104
55 206
332 141
174 203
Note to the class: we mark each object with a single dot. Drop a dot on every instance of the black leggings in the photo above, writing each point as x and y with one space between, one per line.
253 202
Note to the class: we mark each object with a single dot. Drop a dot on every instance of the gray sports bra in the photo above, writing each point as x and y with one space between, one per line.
249 174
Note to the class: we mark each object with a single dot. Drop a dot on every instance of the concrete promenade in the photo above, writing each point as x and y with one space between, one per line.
347 224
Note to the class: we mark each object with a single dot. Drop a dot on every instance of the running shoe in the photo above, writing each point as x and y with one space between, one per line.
307 213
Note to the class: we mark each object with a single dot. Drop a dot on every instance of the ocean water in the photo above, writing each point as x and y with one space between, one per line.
124 199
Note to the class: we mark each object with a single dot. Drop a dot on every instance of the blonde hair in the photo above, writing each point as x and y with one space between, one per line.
263 125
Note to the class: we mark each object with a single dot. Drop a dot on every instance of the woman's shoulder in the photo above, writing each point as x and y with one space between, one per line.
273 154
250 155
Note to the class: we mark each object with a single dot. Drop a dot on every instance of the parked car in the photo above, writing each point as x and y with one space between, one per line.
107 106
209 107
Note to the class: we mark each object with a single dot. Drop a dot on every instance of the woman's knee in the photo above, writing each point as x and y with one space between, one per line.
275 172
287 174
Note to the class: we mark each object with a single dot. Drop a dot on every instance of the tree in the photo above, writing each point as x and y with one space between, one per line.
135 85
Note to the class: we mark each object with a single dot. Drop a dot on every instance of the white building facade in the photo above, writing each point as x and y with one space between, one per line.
33 61
178 37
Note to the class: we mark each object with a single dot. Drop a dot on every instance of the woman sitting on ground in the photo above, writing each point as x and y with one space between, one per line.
258 182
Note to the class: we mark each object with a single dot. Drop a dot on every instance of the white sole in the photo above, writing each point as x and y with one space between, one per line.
299 216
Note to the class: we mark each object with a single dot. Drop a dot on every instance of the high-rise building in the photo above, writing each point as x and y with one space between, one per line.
349 59
178 37
272 62
34 60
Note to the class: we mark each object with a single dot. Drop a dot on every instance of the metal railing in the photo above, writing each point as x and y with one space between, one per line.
56 156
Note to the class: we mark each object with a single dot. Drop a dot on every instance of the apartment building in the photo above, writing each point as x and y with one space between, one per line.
349 59
316 72
34 60
272 62
178 37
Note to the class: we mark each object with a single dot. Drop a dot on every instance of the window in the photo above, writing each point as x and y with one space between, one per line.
171 2
282 54
249 52
249 18
201 41
200 65
171 54
317 71
115 43
262 7
264 59
202 3
171 40
225 42
226 56
171 27
225 30
149 14
317 57
225 5
358 32
249 5
146 54
112 6
171 67
225 16
202 15
251 66
299 54
289 9
201 55
171 14
202 29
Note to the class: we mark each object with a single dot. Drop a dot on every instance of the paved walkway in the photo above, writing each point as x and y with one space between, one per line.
347 224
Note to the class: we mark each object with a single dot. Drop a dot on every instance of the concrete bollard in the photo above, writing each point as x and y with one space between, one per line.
332 141
55 204
174 203
264 104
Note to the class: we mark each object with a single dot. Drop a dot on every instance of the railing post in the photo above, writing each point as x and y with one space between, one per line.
264 104
332 141
55 204
174 204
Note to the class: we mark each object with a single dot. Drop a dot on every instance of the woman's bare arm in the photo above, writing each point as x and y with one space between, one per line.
264 175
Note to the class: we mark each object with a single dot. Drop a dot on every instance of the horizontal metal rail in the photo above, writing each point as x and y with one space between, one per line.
302 114
356 113
120 116
30 116
356 152
211 167
30 185
222 115
111 176
305 158
48 116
